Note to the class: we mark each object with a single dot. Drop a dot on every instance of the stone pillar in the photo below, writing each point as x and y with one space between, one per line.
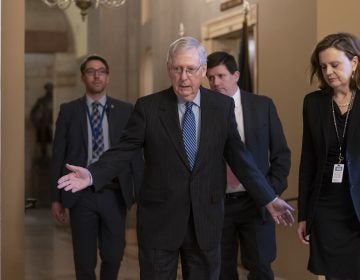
12 140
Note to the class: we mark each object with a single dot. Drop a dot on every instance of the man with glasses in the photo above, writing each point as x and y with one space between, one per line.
85 128
186 131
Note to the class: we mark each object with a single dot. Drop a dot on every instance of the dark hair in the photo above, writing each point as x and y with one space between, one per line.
93 57
345 42
222 58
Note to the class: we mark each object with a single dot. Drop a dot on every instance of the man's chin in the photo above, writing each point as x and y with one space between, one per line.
186 94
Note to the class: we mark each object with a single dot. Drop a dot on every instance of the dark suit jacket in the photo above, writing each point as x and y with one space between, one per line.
171 192
265 139
71 146
316 125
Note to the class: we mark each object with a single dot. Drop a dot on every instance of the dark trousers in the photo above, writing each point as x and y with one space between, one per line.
98 221
243 224
197 264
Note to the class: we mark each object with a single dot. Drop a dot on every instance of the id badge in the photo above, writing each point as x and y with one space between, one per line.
338 173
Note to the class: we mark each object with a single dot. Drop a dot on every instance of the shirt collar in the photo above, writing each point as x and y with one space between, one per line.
237 98
102 100
196 100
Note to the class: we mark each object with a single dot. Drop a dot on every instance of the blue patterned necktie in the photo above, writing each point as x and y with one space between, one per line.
97 131
189 134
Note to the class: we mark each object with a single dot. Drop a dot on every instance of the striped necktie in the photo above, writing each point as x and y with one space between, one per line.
97 131
189 134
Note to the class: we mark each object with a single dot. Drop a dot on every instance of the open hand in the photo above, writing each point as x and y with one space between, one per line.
77 180
281 212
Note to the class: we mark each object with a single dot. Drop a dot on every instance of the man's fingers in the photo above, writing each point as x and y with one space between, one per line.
290 208
276 219
285 219
71 167
63 182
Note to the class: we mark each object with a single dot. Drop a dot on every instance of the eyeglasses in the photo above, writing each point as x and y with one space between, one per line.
190 71
92 72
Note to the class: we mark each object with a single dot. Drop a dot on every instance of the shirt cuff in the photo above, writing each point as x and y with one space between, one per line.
272 200
91 179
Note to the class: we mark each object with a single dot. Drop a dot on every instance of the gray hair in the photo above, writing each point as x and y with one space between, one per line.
183 44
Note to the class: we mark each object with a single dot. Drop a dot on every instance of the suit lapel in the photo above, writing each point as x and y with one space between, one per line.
207 110
354 121
110 117
83 121
324 110
249 117
169 116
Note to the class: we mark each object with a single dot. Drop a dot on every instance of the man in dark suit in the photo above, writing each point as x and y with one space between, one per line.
84 129
186 132
261 130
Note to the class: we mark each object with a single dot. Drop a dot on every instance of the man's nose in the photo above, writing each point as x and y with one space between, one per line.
183 74
216 81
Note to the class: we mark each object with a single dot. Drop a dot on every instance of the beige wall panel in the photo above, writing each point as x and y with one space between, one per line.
286 35
337 16
12 140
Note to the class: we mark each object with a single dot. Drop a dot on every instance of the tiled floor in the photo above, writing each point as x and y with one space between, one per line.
49 252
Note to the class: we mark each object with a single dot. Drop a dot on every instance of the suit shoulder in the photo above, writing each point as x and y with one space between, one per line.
72 104
156 97
316 99
315 94
216 96
257 97
119 103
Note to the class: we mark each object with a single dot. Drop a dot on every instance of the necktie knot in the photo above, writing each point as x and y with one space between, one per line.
95 105
189 105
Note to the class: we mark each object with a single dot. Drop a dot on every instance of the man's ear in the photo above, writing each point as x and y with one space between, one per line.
237 75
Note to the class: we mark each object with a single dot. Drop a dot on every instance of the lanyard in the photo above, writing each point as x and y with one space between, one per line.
341 140
98 129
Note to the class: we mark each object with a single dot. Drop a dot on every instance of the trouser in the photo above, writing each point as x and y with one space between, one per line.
243 224
98 221
197 264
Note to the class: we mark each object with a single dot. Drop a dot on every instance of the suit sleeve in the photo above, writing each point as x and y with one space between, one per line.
279 153
137 169
58 154
243 165
117 158
307 170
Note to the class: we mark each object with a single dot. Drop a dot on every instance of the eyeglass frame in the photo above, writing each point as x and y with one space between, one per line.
92 72
190 71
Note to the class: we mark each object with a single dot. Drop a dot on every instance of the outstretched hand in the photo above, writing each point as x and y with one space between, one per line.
281 212
77 180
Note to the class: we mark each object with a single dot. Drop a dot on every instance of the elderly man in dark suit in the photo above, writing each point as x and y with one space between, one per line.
261 130
84 129
187 132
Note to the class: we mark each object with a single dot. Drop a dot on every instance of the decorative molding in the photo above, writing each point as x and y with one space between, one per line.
223 33
228 22
230 4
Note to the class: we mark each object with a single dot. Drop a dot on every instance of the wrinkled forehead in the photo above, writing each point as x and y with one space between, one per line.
188 56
